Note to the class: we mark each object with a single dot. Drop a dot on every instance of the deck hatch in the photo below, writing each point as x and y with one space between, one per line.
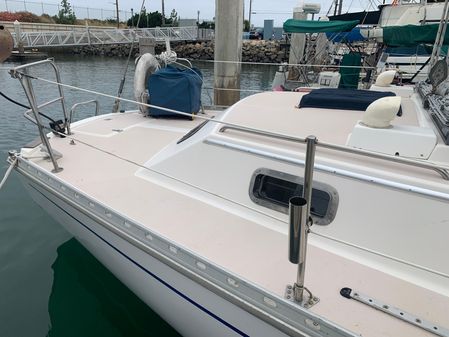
273 189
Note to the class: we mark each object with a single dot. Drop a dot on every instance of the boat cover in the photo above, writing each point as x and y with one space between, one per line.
365 18
351 36
176 89
350 70
419 50
411 35
305 26
342 99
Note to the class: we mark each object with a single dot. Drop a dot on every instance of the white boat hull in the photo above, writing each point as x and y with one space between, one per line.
184 304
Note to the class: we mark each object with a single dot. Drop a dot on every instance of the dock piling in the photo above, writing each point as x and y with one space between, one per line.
228 47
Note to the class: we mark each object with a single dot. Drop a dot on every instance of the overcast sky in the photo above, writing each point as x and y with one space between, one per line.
279 10
188 9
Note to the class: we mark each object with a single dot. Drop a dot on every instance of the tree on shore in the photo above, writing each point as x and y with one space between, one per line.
246 27
66 15
152 19
207 24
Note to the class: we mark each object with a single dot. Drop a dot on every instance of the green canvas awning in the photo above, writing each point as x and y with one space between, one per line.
304 26
411 35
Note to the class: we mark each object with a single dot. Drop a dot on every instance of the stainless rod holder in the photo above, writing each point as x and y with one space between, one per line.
299 223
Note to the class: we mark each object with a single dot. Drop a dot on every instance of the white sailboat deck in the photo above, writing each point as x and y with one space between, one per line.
116 169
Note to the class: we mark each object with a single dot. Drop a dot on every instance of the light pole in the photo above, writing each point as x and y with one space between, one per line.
163 14
132 18
116 9
198 25
250 11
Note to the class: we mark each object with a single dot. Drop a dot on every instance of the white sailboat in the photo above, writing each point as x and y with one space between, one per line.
206 219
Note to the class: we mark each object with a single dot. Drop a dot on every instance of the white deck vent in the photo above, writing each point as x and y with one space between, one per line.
385 78
381 112
375 132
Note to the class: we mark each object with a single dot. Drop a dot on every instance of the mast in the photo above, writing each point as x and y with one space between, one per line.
439 39
340 6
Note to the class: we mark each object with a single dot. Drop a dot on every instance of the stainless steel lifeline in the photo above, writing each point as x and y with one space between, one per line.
442 170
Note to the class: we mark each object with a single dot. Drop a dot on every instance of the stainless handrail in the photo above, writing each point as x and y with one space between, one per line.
442 170
27 116
14 72
21 73
72 110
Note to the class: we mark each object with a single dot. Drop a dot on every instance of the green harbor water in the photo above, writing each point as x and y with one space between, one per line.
50 285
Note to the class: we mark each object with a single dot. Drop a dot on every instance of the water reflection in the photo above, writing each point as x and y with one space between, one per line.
87 300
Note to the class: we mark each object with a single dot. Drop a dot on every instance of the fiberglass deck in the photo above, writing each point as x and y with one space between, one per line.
220 230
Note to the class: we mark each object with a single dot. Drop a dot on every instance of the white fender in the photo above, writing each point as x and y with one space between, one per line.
145 66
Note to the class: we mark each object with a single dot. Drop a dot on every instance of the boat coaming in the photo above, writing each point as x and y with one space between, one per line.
187 174
181 287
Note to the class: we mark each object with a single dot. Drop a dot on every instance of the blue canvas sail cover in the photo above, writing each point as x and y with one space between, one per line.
351 36
176 89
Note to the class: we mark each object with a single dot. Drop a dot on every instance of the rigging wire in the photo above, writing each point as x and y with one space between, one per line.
136 102
343 242
115 155
122 82
280 64
350 5
324 49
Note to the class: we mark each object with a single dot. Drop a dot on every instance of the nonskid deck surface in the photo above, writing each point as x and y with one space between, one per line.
223 232
329 125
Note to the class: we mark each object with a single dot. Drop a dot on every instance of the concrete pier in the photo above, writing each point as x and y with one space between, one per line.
228 47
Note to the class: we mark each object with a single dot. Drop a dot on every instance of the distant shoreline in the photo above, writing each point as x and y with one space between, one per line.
252 50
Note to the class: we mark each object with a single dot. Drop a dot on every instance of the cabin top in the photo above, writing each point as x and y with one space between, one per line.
278 112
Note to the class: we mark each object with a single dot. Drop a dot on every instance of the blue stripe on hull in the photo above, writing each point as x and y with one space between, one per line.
185 297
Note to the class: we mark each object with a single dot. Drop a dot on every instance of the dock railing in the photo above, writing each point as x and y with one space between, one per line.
75 35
